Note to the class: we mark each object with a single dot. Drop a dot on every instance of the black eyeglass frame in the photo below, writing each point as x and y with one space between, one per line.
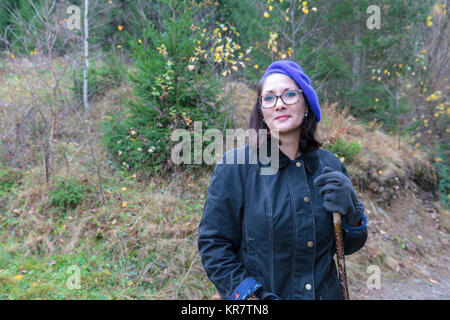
281 97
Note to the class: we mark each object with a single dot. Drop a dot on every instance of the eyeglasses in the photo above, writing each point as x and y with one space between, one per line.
289 97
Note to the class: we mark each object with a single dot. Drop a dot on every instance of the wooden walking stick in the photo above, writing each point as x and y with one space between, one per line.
340 254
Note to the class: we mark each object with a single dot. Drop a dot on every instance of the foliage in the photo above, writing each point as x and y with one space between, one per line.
8 179
107 74
67 193
8 24
180 70
441 163
343 149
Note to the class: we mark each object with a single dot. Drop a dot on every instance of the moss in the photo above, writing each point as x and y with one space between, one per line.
426 177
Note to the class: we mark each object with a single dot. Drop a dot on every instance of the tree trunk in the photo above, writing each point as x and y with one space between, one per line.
356 57
86 56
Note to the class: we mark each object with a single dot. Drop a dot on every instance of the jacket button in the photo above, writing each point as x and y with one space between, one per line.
308 286
310 244
298 164
306 199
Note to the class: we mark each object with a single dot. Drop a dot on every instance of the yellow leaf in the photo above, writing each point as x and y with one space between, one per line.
18 277
286 18
140 41
256 66
270 8
124 204
266 15
120 28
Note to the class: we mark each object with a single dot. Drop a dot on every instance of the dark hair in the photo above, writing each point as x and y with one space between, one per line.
309 140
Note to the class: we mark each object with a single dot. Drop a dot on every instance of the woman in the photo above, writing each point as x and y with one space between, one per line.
272 236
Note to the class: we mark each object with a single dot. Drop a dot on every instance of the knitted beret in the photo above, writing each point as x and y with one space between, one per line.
295 72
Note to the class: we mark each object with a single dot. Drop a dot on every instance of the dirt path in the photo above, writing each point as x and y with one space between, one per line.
410 289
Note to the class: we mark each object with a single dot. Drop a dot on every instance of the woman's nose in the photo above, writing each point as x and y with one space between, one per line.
279 104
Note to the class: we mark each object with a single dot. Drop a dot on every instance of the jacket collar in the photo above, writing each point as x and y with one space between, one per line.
310 160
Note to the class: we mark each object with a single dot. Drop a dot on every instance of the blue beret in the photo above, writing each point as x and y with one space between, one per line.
295 72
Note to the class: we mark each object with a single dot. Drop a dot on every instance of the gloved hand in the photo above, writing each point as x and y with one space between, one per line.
338 195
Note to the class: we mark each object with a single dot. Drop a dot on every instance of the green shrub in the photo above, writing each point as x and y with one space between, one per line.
173 88
442 167
8 179
341 148
67 193
101 76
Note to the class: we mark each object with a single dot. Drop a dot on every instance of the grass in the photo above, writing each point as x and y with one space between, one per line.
144 250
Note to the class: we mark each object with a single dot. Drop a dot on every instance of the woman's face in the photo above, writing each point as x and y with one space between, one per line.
285 118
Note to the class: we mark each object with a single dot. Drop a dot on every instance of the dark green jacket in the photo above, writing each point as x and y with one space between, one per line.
270 233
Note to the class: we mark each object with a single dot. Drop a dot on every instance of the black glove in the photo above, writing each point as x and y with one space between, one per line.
339 195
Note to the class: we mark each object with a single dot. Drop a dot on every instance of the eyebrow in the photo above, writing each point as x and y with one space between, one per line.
271 91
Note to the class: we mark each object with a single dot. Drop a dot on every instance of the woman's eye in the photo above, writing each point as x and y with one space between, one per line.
291 94
268 98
